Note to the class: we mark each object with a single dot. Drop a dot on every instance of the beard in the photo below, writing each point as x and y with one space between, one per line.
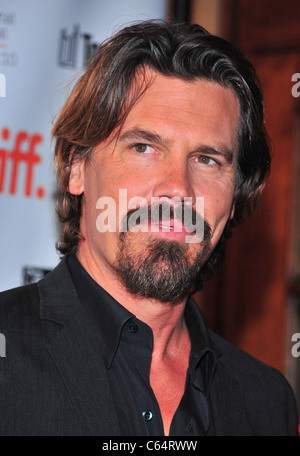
161 269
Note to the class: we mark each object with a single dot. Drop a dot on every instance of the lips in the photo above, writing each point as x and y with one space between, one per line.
164 219
166 227
171 225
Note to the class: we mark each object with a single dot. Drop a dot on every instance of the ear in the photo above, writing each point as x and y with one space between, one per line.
76 180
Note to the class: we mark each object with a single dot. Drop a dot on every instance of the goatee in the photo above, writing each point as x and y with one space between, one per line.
161 269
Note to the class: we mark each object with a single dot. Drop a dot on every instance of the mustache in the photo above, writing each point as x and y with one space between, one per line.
165 211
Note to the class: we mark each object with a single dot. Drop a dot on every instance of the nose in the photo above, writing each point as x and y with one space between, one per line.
174 181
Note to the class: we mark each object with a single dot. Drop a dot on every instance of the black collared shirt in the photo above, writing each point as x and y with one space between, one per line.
127 349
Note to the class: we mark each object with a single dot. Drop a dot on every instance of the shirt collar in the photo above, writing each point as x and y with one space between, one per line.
111 316
202 363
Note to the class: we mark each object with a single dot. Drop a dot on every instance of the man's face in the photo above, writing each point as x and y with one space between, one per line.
178 141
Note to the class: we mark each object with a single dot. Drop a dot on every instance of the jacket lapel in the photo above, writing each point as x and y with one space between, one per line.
74 346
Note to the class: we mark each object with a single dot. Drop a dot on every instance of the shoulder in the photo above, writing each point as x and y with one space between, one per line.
20 307
27 298
19 315
24 309
266 394
244 366
18 299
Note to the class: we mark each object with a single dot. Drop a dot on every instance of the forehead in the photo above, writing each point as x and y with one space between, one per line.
189 108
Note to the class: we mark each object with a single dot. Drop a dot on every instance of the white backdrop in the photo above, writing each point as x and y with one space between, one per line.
43 44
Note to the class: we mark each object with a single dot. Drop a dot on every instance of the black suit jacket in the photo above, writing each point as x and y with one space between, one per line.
53 380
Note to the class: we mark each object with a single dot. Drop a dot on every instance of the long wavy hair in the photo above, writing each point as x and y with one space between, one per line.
104 95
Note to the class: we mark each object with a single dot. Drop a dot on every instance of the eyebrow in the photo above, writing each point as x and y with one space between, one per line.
220 151
140 134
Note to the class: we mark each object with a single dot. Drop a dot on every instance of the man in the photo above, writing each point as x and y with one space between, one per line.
110 343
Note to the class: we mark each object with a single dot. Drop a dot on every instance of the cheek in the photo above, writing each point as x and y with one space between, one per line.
218 200
131 188
91 195
92 191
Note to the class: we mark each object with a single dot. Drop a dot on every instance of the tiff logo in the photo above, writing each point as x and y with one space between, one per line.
2 86
23 151
2 346
67 52
68 47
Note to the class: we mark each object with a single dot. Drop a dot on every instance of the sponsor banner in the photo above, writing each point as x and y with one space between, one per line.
44 45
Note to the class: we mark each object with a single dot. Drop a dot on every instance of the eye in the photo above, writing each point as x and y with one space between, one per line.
143 148
206 160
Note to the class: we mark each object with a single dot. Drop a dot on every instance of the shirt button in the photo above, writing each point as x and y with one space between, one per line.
132 328
147 415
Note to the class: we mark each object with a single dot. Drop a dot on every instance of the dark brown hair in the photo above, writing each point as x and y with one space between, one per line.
99 103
